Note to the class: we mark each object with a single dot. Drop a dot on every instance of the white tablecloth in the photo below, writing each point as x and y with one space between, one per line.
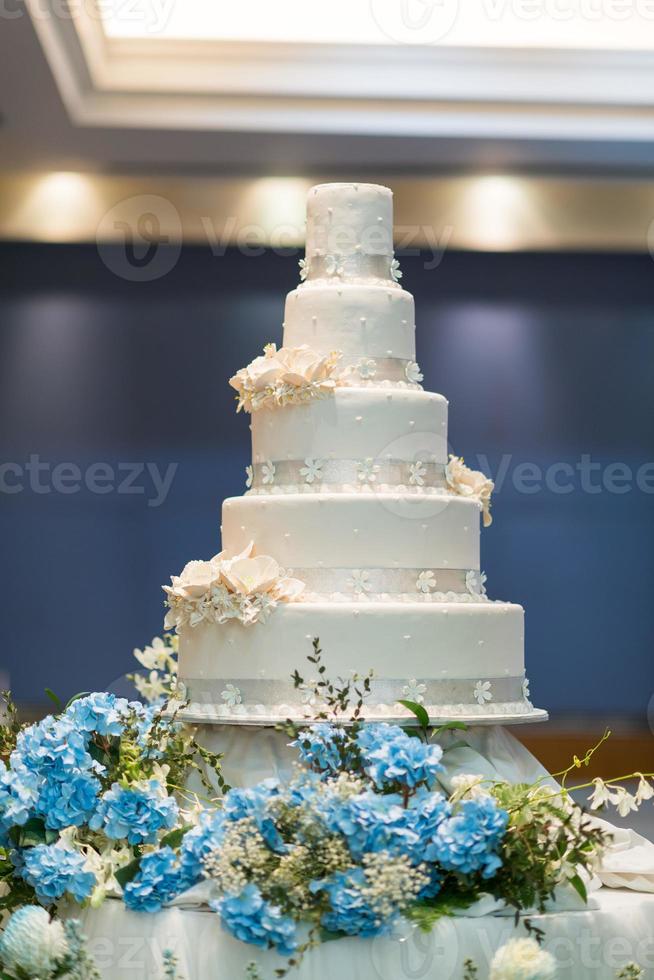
588 945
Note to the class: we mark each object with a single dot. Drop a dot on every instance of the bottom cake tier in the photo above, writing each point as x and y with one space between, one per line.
460 660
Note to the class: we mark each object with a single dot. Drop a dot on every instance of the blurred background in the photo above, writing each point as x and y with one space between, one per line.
154 162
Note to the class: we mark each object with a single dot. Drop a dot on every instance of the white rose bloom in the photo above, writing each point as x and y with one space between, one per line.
32 942
522 959
196 579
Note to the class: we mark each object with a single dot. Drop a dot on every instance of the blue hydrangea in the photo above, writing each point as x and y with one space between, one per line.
159 880
135 813
199 843
468 840
321 746
53 748
241 803
53 870
68 802
19 789
250 918
371 737
400 759
350 912
372 822
101 713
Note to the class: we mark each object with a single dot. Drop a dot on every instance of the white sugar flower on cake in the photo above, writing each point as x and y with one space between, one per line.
470 483
289 375
242 587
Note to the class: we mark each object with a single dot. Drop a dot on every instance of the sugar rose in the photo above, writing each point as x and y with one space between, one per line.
470 483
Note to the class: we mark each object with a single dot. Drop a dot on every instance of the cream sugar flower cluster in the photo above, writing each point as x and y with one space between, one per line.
242 587
285 376
470 483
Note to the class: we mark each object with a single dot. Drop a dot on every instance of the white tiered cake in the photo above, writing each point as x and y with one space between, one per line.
357 526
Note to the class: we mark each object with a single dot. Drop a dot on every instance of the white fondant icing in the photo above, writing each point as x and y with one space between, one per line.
354 423
393 530
326 319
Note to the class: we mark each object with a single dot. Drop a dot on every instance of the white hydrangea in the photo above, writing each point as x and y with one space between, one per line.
522 959
33 943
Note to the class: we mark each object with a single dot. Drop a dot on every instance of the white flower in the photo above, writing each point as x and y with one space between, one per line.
645 790
284 375
526 693
366 368
482 692
33 943
308 693
332 266
360 581
476 582
601 795
312 469
157 656
268 472
522 959
196 579
425 582
469 785
396 273
248 575
231 695
413 691
304 268
623 801
249 476
367 471
470 483
413 373
417 473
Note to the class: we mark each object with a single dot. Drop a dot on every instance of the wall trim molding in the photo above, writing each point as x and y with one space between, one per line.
392 90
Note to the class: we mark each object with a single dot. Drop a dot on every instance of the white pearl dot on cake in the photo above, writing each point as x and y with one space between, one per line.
407 636
424 527
465 527
355 530
389 353
362 321
314 320
412 423
358 418
480 643
287 534
355 612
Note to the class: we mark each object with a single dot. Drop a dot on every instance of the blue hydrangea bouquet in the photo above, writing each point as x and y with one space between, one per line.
95 804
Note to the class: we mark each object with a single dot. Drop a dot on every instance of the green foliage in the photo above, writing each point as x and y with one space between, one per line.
547 835
455 896
470 971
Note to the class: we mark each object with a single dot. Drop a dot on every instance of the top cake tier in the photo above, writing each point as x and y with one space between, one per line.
349 232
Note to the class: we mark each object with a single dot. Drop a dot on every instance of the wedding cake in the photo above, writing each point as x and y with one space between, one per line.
357 525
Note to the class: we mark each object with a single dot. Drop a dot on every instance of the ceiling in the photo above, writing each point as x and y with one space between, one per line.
75 99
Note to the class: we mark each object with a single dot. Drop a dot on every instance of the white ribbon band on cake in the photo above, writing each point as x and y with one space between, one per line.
356 265
333 473
364 370
414 584
245 693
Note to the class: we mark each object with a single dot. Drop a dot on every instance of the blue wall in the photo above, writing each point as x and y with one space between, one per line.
545 359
